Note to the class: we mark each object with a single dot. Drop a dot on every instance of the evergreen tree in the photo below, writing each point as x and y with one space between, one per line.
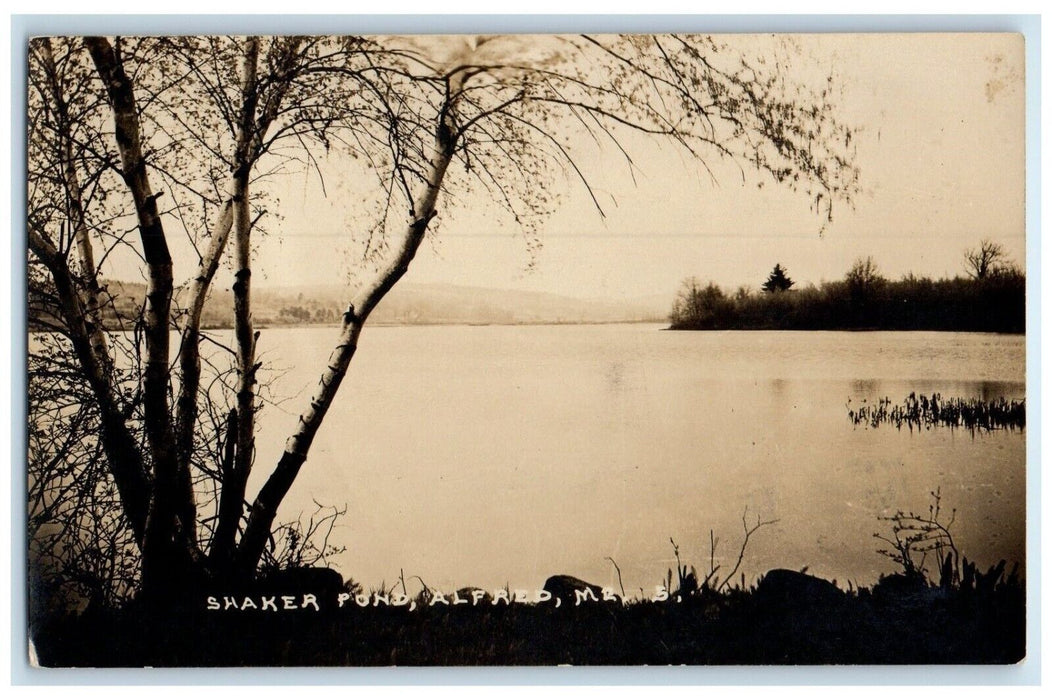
777 281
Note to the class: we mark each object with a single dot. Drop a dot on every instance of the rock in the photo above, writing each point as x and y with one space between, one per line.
793 588
468 593
306 579
893 584
570 589
900 589
285 589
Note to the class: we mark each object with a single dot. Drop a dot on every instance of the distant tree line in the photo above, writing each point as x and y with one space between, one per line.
991 298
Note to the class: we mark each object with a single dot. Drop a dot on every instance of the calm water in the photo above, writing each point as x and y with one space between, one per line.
493 455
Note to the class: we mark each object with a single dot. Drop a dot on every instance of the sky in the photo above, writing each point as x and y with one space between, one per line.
940 151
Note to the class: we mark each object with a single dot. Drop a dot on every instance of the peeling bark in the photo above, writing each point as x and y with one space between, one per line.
85 253
189 349
235 479
167 544
190 353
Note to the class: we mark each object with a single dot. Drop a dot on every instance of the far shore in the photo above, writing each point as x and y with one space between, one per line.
393 324
636 322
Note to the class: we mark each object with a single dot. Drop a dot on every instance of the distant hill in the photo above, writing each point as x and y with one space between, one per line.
409 304
443 303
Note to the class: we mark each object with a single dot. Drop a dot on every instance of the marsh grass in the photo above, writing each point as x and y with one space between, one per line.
922 412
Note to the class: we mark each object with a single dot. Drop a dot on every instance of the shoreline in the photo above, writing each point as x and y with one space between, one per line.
788 617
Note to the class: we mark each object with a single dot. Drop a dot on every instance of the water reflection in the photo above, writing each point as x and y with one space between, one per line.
992 390
865 387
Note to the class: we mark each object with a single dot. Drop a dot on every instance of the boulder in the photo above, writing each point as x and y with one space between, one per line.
570 588
902 589
794 589
468 593
306 579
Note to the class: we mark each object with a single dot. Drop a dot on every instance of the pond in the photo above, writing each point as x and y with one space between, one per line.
494 455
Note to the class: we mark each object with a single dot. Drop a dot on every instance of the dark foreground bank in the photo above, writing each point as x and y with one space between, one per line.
788 618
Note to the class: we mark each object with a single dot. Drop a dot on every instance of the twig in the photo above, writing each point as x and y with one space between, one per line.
713 541
741 553
619 581
427 589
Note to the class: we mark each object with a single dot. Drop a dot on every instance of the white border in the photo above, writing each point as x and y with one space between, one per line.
12 354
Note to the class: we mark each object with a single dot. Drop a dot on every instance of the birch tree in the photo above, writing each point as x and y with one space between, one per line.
88 488
216 106
433 120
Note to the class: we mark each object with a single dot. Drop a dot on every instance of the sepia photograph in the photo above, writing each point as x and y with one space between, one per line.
525 349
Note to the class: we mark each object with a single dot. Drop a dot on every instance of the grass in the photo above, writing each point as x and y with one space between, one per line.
941 609
738 626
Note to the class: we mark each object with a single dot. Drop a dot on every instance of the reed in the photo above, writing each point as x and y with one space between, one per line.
923 412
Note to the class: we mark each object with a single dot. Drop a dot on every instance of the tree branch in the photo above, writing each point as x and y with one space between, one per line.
122 451
172 494
264 508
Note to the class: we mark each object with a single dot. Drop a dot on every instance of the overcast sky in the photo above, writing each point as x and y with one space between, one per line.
941 154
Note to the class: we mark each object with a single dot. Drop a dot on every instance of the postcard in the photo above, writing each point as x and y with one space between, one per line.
526 350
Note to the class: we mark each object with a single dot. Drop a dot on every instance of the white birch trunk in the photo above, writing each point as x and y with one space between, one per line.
169 543
232 497
85 254
264 508
189 349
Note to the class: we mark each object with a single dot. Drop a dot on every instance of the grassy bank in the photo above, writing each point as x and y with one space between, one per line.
940 608
787 618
